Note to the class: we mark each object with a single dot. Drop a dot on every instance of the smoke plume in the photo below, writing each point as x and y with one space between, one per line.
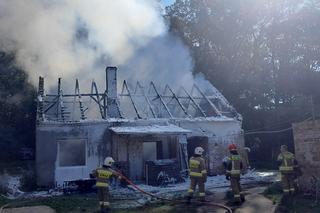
77 39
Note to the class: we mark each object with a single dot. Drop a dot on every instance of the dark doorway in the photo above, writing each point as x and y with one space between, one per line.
196 141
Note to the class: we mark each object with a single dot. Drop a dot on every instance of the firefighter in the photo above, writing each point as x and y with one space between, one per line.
287 166
197 173
233 170
103 176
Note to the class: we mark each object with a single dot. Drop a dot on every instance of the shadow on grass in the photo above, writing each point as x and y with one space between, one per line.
297 204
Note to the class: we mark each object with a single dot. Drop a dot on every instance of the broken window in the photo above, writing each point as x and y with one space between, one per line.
72 152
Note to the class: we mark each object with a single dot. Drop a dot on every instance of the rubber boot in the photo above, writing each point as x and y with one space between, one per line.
237 201
105 210
202 199
242 197
293 193
188 199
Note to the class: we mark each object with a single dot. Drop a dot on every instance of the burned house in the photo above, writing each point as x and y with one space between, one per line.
139 127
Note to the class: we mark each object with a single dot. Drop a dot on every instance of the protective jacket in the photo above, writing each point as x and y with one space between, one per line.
234 164
287 161
103 176
233 172
197 167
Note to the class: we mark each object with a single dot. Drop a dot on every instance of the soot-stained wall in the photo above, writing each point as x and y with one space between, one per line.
98 140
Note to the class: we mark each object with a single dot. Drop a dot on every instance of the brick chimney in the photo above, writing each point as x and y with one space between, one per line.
111 90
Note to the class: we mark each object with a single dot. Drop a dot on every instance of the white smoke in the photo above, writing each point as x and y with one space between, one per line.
164 60
73 38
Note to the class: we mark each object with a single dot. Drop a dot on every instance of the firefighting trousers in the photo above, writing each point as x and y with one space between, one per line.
196 181
287 180
235 186
103 196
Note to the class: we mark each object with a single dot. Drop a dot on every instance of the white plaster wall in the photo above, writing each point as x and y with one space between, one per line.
95 148
220 133
212 128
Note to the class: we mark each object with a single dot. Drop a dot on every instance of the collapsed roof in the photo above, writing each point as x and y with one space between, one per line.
136 102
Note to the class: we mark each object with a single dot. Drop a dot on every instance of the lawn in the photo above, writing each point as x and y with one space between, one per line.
298 203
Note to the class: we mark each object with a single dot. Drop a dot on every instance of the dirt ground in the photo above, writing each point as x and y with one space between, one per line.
33 209
256 202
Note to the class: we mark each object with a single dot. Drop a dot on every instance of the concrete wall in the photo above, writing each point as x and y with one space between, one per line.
307 149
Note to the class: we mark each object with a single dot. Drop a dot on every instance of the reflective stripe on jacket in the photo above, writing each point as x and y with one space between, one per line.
197 167
287 162
103 175
235 161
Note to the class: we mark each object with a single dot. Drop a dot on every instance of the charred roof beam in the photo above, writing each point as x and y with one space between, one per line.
61 109
126 88
208 100
94 92
77 93
146 98
197 106
174 96
152 85
40 111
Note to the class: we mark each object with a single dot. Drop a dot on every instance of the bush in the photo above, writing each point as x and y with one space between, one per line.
3 184
28 181
274 192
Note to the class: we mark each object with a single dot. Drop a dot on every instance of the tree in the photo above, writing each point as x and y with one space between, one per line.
263 55
17 109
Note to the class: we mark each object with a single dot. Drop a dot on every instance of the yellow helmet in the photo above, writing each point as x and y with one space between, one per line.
198 151
108 161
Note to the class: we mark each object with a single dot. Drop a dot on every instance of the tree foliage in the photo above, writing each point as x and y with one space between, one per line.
263 55
17 109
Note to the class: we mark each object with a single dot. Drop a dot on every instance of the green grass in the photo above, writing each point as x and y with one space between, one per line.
274 193
62 204
88 203
301 204
295 204
3 200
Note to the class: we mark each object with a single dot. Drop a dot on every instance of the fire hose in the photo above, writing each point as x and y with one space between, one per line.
171 200
155 196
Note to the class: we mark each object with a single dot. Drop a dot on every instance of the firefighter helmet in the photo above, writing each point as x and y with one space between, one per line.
284 148
232 147
108 161
198 150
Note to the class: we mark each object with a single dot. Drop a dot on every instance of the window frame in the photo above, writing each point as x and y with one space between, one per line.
61 140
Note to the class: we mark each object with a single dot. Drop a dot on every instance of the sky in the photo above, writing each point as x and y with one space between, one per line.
167 2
